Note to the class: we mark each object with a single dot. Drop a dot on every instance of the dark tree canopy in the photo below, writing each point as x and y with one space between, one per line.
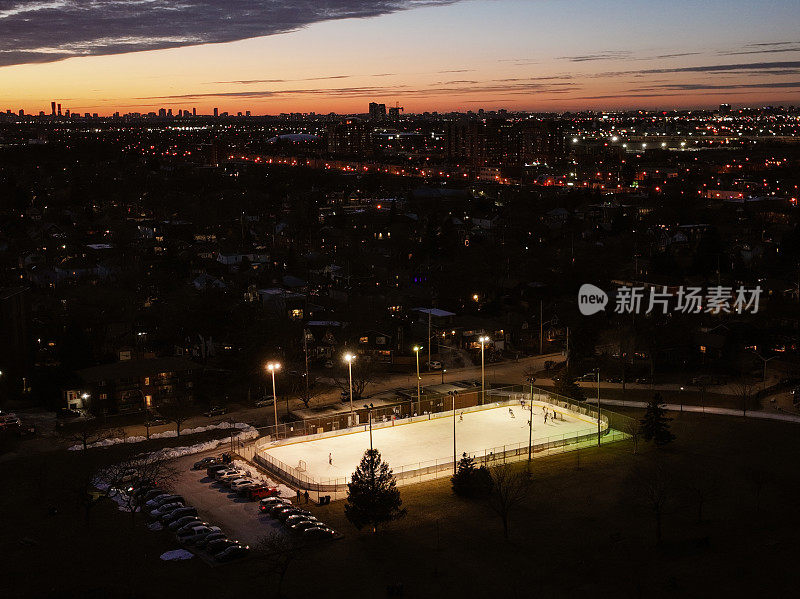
655 424
372 495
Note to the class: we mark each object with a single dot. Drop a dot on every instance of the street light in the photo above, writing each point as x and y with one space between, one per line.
349 359
531 380
273 367
455 461
483 339
419 398
598 407
369 411
443 371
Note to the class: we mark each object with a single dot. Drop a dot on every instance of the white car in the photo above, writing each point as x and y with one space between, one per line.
242 482
221 473
230 477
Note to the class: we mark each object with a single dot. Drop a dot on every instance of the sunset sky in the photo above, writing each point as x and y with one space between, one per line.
273 56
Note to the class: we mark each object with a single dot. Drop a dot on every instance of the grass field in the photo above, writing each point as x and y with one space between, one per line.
584 530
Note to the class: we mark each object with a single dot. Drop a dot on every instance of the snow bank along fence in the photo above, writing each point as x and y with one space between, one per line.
613 427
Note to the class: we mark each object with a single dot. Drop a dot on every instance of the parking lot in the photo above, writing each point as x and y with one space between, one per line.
236 516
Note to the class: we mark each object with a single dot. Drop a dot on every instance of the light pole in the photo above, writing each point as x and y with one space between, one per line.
369 411
765 360
349 359
443 371
681 398
419 392
455 459
598 407
530 422
483 339
273 367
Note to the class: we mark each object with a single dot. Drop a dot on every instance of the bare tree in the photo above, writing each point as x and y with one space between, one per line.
702 484
510 488
87 432
135 470
177 414
653 486
364 374
306 391
633 427
747 394
277 552
758 477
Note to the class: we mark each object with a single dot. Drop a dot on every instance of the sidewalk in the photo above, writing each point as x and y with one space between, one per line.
703 410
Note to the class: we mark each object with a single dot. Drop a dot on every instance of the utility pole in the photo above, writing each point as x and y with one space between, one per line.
455 457
530 422
305 350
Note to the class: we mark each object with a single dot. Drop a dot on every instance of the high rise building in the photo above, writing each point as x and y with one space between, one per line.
194 111
377 112
59 110
53 108
216 112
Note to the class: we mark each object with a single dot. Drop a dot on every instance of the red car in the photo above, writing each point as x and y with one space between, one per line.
261 491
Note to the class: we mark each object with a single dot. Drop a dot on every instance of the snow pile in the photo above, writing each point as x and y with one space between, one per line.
246 433
256 475
177 554
170 453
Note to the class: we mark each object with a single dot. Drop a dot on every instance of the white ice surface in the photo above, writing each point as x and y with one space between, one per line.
408 446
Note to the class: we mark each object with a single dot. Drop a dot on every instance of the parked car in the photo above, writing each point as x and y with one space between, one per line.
216 411
68 413
228 469
211 537
295 518
283 515
614 379
162 499
242 483
190 524
301 525
198 533
265 402
275 510
183 521
227 479
218 545
265 505
148 494
232 553
179 513
434 365
166 509
205 463
319 532
259 492
211 471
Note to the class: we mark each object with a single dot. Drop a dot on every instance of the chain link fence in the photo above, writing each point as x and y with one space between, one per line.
612 427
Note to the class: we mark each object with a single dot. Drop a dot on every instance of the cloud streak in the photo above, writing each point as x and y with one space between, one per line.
48 30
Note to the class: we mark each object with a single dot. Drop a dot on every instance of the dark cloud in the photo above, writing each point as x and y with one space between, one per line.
49 30
376 91
773 68
765 48
606 55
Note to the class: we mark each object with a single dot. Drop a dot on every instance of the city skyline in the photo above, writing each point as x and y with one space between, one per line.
426 56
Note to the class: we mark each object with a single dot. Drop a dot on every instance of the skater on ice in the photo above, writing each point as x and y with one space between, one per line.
330 459
511 413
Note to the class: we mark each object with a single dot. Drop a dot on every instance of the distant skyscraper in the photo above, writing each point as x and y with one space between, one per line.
194 111
162 112
377 112
59 110
216 112
247 113
53 108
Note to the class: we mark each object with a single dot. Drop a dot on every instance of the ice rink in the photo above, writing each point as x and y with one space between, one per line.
407 444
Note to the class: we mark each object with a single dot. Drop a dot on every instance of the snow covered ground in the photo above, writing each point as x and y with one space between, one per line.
412 445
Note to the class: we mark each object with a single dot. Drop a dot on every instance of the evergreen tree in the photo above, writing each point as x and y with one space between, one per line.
655 424
566 386
372 494
469 481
